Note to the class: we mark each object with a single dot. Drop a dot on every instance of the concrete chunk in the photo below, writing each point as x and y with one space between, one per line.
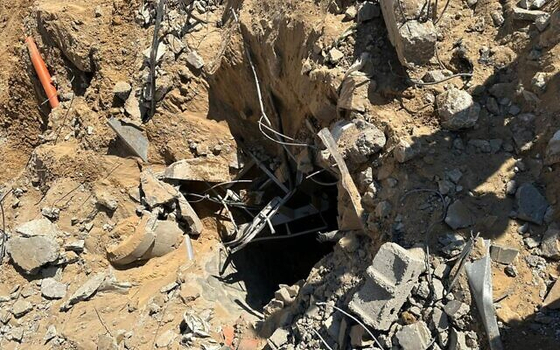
136 244
167 237
531 205
132 137
30 253
156 192
199 169
21 307
278 339
502 254
414 41
553 150
414 336
388 284
456 109
52 289
552 300
38 227
85 291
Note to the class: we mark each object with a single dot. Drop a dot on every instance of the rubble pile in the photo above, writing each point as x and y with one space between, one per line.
395 160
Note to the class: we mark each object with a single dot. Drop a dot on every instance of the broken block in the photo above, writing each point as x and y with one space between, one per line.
414 41
199 169
503 255
389 281
414 336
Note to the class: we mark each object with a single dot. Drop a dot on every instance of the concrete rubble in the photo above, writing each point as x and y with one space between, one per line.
388 284
131 136
456 109
31 253
198 169
531 204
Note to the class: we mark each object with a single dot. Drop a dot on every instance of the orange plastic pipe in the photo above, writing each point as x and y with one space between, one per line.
42 72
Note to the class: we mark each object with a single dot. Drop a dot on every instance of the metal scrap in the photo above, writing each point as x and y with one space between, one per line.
480 280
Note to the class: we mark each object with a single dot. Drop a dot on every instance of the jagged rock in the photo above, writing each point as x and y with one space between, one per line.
414 336
550 245
85 291
532 4
106 342
51 333
21 307
452 243
76 246
52 289
156 192
131 135
38 227
161 50
458 215
552 300
456 109
531 205
552 155
187 213
360 140
389 281
122 90
50 213
30 253
456 309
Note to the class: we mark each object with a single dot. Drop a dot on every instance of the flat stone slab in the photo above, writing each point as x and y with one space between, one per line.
38 227
503 254
531 205
132 137
30 253
199 169
458 215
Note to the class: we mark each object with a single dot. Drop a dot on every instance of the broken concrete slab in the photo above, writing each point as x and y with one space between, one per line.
389 281
164 340
502 254
531 204
550 244
38 227
156 192
30 253
414 336
135 246
199 169
278 339
456 109
354 93
52 289
21 307
552 154
131 136
456 309
527 15
405 151
194 60
168 236
187 213
85 291
458 215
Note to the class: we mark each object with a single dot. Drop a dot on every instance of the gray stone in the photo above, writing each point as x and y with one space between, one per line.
452 243
550 245
175 44
492 106
414 336
21 307
531 205
278 339
456 309
194 60
85 291
52 213
388 283
532 4
454 175
132 137
439 320
457 340
30 253
502 254
52 289
368 10
527 15
122 90
132 108
16 334
38 227
458 215
354 93
442 270
552 155
511 187
456 109
161 50
511 270
350 13
542 21
369 140
497 18
51 333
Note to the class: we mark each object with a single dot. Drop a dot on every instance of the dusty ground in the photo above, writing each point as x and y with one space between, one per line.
213 112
